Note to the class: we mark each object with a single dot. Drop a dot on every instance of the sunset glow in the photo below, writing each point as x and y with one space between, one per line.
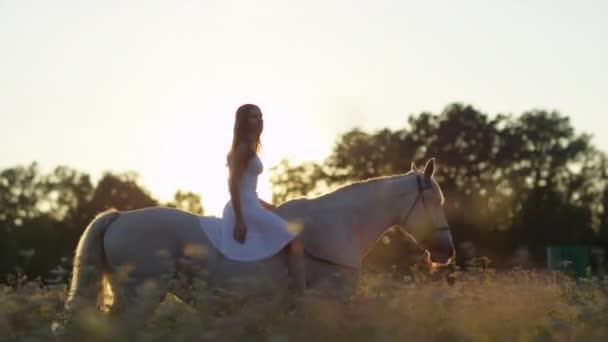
152 86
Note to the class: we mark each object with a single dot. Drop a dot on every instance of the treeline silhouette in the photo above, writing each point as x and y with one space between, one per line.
43 215
511 184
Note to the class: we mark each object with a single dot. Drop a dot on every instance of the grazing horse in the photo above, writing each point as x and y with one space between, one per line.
156 245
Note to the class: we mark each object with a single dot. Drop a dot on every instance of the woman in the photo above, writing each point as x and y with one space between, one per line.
260 232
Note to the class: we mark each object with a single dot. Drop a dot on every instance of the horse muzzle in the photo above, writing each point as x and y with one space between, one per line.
441 246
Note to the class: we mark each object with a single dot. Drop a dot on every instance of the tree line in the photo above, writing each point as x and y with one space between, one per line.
43 215
510 182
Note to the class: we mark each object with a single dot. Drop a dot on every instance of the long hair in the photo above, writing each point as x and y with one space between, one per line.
241 130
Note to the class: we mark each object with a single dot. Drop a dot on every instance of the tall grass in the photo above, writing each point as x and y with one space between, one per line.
481 305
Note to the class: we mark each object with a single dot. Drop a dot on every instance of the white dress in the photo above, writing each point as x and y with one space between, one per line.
267 233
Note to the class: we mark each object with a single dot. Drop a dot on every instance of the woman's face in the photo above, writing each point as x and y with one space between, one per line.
255 120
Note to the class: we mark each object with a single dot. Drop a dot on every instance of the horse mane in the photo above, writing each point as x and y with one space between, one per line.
347 199
356 187
354 196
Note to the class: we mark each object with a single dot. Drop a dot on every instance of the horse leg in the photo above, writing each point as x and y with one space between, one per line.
182 288
331 280
296 266
190 273
136 298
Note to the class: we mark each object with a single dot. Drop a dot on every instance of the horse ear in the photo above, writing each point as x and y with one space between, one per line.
414 168
429 168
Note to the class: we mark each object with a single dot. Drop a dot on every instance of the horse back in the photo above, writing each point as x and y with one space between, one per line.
147 239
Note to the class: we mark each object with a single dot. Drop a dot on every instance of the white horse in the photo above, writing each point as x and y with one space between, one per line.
156 245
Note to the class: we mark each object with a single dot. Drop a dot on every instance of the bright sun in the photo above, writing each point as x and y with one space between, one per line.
190 154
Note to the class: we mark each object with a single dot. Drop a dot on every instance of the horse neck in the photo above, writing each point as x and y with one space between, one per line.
381 211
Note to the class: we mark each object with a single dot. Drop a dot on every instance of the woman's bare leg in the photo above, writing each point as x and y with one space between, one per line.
295 260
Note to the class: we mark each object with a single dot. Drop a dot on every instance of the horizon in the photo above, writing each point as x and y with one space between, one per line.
153 87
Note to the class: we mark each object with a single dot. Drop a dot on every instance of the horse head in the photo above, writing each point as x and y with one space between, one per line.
424 218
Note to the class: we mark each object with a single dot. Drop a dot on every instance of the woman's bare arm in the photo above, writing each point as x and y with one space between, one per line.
266 205
237 168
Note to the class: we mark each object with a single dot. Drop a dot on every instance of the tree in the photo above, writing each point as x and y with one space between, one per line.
292 181
119 191
43 216
20 194
66 190
188 201
603 217
549 176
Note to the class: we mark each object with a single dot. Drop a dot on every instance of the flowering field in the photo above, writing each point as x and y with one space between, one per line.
482 305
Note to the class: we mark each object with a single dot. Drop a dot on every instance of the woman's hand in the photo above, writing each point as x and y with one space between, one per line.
266 205
240 232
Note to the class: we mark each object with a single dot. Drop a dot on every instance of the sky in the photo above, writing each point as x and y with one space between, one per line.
152 86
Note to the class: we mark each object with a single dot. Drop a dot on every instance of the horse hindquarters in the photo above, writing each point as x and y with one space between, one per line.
89 263
143 252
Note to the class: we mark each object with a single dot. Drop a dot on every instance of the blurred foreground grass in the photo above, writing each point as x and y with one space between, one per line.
482 305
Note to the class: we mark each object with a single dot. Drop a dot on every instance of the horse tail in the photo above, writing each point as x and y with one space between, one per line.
90 263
